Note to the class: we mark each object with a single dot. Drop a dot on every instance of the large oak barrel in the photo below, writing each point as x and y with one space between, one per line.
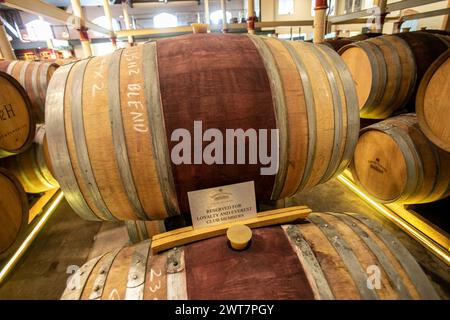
34 77
433 102
389 74
393 66
394 161
142 230
113 132
328 256
13 212
17 126
32 168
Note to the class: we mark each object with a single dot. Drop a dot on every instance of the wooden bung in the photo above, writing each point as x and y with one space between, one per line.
325 258
239 236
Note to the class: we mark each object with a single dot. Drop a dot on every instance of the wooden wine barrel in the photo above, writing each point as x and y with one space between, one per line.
426 48
34 77
432 102
338 43
394 161
17 126
394 65
389 74
365 36
330 256
13 212
32 167
142 230
118 137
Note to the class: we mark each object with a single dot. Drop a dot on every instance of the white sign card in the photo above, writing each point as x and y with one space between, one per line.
213 206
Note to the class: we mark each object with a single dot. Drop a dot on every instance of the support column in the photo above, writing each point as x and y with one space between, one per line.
6 51
108 16
446 21
84 37
320 20
49 41
380 15
126 18
224 16
207 12
251 16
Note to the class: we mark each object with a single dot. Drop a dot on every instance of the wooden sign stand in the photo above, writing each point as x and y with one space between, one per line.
182 236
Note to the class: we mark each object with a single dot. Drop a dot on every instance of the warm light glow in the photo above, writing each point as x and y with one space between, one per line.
165 20
39 30
429 244
216 16
29 239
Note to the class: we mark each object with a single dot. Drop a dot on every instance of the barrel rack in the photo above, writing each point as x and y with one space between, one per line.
434 239
40 211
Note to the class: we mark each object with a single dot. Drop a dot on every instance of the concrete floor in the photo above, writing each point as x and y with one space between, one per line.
67 240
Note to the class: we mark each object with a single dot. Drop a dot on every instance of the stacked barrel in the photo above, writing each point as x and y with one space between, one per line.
23 149
34 77
404 158
111 121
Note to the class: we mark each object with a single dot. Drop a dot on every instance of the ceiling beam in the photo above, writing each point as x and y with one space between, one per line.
50 11
400 5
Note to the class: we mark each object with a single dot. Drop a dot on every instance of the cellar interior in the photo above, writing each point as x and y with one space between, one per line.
199 150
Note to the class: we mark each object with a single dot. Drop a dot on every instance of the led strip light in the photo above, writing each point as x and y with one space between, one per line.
441 250
30 237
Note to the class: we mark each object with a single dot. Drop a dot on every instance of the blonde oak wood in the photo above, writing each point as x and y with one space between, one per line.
104 164
192 235
324 110
17 126
432 102
138 136
377 150
31 168
394 161
365 256
336 273
72 152
357 60
143 230
392 259
13 212
34 77
296 116
259 214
